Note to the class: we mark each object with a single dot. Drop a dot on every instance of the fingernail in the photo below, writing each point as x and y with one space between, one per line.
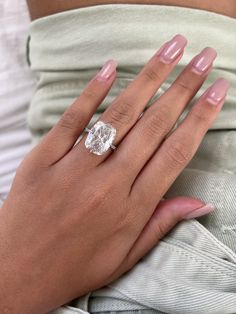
107 70
173 49
217 92
206 209
203 61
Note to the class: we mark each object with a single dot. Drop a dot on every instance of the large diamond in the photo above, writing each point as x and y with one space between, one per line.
100 138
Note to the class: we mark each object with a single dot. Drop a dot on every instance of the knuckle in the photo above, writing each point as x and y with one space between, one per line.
97 198
123 220
200 116
178 154
122 112
68 119
157 123
159 231
184 87
72 118
151 75
30 169
101 199
90 93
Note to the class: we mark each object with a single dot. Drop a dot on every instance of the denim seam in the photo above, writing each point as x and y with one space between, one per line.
229 272
211 237
202 254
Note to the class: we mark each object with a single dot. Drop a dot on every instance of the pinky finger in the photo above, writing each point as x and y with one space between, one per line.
180 146
62 137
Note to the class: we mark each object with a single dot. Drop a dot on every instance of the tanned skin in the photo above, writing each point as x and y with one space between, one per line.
41 8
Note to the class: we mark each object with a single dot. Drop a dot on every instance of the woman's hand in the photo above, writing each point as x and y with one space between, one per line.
75 221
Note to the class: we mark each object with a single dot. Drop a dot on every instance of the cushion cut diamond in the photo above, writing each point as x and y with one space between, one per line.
100 138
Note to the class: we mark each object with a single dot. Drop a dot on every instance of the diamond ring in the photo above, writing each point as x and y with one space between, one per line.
100 138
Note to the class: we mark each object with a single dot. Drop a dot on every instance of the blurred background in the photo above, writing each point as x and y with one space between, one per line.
17 84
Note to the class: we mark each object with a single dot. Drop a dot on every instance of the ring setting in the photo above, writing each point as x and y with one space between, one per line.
100 138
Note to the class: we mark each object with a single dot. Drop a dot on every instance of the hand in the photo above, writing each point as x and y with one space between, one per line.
75 221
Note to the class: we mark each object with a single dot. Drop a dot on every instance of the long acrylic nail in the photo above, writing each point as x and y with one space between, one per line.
203 61
173 49
206 209
217 92
107 70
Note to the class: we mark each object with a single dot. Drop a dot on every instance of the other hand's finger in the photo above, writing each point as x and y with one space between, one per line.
167 214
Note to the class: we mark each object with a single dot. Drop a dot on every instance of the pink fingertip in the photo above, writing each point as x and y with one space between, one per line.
203 61
107 70
206 209
217 92
173 49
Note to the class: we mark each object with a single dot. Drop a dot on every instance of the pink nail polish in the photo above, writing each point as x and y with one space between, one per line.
206 209
173 49
203 61
107 70
217 92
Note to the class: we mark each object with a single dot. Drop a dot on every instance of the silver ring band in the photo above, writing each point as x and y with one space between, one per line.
87 130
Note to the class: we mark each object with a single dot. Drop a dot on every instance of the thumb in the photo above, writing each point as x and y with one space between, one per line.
167 214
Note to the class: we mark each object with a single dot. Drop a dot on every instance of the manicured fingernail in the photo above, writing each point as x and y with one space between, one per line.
173 49
107 70
206 209
203 61
217 92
